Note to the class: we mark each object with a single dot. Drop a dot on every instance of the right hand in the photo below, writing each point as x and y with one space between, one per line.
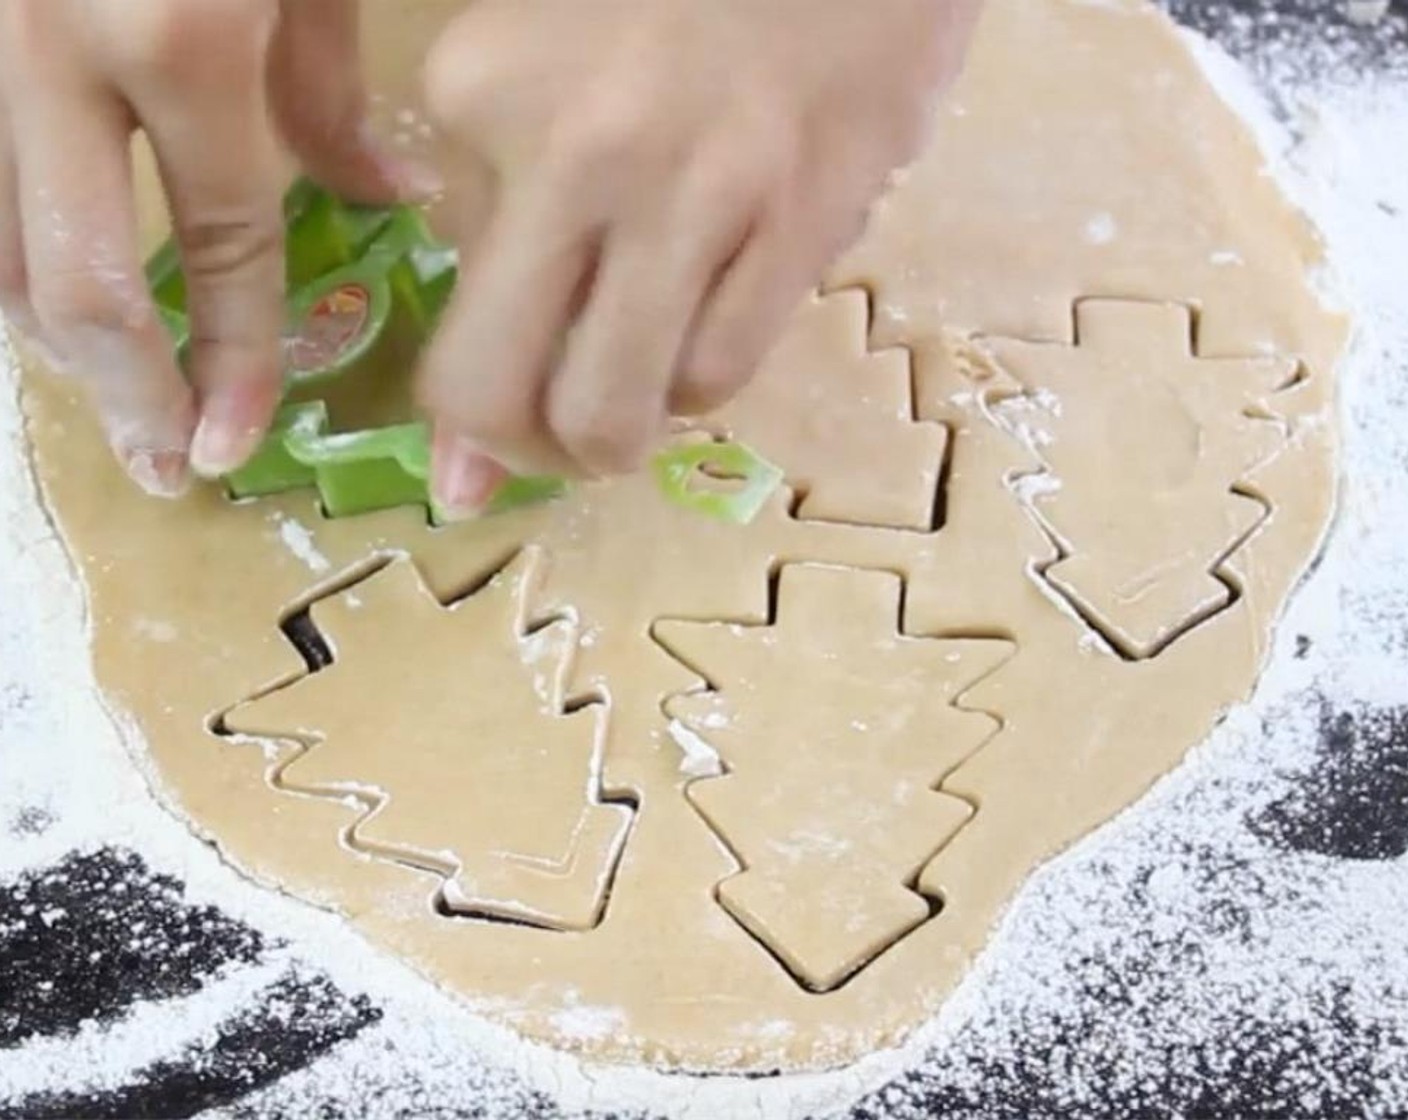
213 83
643 192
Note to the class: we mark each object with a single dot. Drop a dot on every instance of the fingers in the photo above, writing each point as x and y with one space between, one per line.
319 97
749 308
739 323
14 279
221 168
608 403
486 371
464 479
605 404
552 360
85 277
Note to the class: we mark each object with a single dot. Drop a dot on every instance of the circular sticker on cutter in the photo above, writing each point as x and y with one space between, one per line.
331 331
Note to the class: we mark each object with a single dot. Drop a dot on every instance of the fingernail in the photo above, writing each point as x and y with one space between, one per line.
464 480
162 474
220 445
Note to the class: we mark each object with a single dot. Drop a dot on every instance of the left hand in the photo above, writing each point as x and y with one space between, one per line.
215 85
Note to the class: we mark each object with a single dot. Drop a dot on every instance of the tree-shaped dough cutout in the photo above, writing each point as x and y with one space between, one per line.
823 402
831 817
1146 453
471 763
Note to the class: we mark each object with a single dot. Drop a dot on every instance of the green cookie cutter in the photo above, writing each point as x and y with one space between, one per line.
677 472
358 275
359 472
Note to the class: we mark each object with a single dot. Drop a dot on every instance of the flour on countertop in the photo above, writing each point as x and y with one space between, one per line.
1123 976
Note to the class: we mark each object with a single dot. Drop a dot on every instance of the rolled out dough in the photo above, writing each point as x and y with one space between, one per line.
1052 484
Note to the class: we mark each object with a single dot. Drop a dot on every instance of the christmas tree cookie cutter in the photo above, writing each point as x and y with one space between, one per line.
359 275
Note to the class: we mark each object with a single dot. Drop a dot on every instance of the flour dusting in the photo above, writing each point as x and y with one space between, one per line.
1213 934
298 539
697 758
1101 229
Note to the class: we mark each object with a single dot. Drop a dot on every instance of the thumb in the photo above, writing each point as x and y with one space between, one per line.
319 98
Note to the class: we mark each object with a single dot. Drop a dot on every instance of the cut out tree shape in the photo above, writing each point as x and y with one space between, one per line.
1145 451
832 819
437 746
824 401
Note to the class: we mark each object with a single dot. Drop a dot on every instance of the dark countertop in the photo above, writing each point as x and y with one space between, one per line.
68 954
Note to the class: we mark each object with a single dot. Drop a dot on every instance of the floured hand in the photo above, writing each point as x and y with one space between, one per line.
212 82
644 191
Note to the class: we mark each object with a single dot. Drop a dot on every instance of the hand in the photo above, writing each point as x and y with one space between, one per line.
212 82
644 191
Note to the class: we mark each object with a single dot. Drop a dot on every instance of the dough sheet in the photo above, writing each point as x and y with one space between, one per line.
1059 441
